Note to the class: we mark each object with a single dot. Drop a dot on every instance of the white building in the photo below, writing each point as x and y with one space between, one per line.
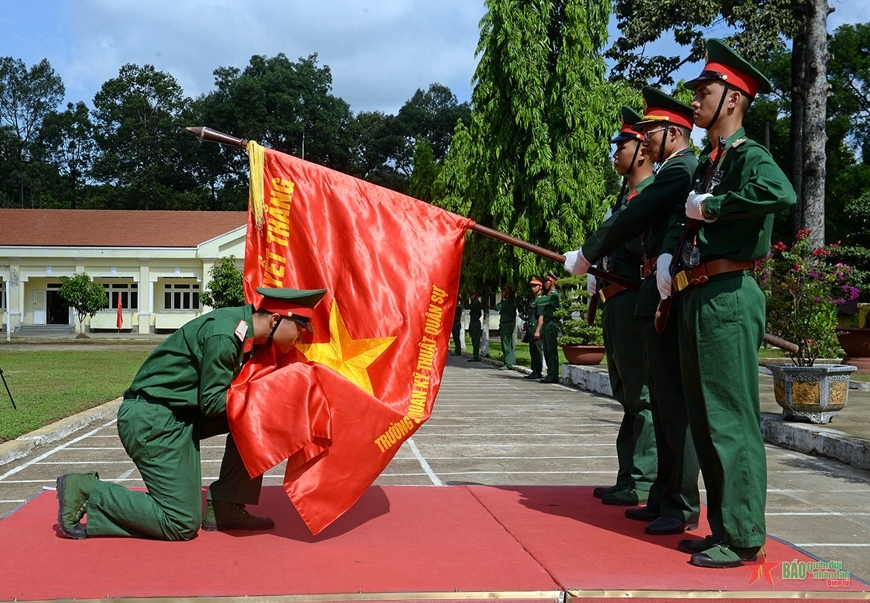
157 260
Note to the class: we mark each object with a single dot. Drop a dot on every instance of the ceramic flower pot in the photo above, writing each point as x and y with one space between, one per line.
811 393
583 354
856 345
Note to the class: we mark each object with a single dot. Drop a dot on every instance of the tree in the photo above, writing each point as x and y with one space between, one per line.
26 97
144 148
425 172
83 295
225 288
67 140
543 115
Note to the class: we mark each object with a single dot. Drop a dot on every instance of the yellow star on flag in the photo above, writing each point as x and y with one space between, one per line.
347 356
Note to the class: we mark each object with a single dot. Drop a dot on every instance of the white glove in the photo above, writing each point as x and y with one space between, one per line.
663 275
591 285
694 206
575 263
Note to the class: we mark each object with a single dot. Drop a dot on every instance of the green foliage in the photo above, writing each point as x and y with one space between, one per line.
542 118
425 172
225 289
802 290
82 294
572 314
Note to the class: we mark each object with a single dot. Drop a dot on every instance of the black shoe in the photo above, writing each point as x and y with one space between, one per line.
600 491
722 556
474 359
221 516
691 546
670 525
533 376
642 514
628 497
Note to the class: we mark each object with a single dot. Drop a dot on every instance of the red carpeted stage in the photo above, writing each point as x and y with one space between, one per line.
400 543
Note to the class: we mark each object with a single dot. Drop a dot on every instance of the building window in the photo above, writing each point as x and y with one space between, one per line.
181 296
129 295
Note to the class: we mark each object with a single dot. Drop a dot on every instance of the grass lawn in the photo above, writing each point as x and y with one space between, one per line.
48 386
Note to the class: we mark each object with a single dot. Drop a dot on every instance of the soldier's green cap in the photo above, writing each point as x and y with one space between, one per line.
629 118
664 109
297 304
725 65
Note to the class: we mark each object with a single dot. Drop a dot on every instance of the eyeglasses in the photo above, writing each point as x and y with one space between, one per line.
656 130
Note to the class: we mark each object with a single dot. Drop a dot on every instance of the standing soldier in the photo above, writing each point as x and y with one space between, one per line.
475 313
507 324
674 500
457 328
548 328
722 317
531 326
635 441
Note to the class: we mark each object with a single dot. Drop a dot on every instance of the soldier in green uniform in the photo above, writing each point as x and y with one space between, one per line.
548 329
722 317
178 398
475 313
635 441
457 328
507 324
531 325
673 500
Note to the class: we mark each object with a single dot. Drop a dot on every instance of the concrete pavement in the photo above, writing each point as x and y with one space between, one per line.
493 427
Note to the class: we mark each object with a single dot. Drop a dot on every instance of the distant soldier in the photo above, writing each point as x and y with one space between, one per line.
507 324
548 328
475 313
457 328
536 285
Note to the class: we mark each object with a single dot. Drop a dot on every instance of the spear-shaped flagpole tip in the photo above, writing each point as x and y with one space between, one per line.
210 135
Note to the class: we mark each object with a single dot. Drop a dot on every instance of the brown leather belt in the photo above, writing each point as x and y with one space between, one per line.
648 267
610 290
701 274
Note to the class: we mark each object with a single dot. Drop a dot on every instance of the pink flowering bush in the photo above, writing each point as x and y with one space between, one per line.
802 291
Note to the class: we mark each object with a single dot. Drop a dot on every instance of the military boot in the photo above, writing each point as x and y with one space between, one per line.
220 515
73 490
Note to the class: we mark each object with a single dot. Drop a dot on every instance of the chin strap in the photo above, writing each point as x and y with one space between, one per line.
719 108
275 328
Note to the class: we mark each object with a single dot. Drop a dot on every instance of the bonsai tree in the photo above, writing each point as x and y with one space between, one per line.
572 315
225 289
83 295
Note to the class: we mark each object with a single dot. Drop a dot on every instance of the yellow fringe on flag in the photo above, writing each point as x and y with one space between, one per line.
256 194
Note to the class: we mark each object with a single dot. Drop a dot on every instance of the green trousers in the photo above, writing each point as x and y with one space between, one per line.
721 328
636 439
474 331
164 445
535 351
675 491
550 350
506 332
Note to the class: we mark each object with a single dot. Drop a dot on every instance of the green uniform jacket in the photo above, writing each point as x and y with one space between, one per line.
651 209
183 372
753 189
547 304
627 257
507 312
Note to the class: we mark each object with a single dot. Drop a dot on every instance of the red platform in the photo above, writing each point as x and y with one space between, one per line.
397 543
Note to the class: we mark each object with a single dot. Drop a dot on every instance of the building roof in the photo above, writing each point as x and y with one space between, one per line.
114 228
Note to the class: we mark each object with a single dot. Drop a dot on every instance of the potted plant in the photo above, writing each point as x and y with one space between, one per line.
581 342
855 341
802 291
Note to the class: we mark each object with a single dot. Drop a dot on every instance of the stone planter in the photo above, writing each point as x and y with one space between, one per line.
812 393
856 345
583 354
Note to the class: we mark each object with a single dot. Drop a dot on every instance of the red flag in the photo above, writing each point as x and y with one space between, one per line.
120 321
353 393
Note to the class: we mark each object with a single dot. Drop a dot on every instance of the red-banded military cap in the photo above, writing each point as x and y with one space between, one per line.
551 277
664 109
629 118
725 65
298 304
536 280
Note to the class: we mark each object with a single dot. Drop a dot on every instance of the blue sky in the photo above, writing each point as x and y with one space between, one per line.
380 52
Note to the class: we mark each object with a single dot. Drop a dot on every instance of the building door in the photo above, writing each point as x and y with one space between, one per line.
39 307
58 311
